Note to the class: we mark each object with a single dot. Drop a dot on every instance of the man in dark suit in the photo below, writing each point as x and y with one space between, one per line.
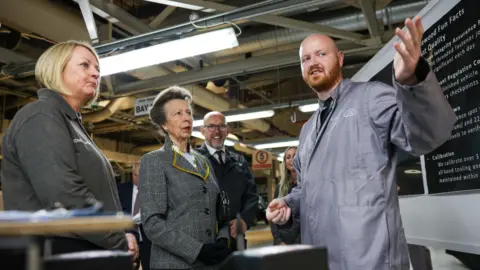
232 172
128 193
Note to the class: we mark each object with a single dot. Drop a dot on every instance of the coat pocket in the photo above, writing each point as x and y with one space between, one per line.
355 188
364 237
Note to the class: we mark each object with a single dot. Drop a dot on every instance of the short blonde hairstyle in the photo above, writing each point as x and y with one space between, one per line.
50 66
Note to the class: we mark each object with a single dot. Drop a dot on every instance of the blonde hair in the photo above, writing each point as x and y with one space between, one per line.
50 66
286 181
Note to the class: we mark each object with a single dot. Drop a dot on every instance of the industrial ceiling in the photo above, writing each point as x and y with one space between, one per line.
262 71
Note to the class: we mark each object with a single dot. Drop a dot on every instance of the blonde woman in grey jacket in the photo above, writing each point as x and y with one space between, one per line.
49 159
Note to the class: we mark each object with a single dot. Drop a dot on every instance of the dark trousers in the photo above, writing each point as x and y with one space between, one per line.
233 244
145 248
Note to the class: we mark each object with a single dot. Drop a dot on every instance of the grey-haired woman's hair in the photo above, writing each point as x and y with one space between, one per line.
157 112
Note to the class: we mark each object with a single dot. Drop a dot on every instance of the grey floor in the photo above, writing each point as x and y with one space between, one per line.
443 261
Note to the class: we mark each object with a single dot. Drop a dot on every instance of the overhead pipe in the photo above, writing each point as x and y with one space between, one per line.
243 13
351 22
268 62
112 107
76 30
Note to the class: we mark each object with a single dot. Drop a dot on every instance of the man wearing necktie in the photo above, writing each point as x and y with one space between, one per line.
128 193
232 172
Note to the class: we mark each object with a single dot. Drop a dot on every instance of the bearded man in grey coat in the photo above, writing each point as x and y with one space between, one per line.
345 163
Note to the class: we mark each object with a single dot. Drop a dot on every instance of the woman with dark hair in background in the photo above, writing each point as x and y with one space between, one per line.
179 192
288 233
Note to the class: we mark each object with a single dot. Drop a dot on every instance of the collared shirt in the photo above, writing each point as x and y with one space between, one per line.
134 197
188 156
136 218
213 152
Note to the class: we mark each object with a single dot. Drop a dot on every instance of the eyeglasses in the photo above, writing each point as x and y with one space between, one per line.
212 128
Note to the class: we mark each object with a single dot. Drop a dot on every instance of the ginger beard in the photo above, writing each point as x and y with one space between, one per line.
321 80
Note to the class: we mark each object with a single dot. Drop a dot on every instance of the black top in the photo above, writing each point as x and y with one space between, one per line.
288 233
48 157
236 179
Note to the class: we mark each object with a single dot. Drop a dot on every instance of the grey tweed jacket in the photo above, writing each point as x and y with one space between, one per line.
178 207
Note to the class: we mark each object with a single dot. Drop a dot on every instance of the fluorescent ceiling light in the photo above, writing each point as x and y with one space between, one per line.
169 51
308 108
198 134
241 117
197 123
233 137
250 116
177 4
277 144
229 143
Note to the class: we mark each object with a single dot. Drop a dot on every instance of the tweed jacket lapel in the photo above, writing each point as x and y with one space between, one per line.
179 162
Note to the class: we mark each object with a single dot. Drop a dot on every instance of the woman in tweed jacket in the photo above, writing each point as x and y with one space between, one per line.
178 193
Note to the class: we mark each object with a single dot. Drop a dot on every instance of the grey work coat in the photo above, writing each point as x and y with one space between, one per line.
347 191
48 157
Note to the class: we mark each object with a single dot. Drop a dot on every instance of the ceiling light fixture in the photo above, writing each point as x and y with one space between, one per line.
277 144
198 134
308 107
177 4
169 51
229 143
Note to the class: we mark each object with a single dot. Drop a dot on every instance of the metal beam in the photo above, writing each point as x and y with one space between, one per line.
216 72
286 22
251 65
89 20
378 4
118 16
155 23
368 9
311 27
243 13
258 93
202 96
8 56
44 18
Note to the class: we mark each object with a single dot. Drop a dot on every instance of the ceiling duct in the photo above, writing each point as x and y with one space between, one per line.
352 22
